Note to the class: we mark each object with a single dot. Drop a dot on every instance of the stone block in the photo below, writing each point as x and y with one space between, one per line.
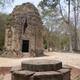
65 73
41 65
22 75
48 75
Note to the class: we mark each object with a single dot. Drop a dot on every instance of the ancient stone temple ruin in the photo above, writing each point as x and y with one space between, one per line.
24 30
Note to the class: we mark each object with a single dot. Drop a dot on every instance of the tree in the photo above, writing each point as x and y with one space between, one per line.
3 20
72 7
53 29
4 2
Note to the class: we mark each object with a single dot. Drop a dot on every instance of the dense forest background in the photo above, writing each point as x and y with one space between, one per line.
62 21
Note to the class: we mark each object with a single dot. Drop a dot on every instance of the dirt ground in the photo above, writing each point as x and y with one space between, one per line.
70 59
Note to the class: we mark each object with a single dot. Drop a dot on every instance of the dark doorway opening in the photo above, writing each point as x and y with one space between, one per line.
25 46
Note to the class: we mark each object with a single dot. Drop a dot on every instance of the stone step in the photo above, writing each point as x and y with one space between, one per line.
65 73
41 65
48 75
22 75
62 74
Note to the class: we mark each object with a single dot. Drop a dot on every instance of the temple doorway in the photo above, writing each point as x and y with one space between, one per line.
25 46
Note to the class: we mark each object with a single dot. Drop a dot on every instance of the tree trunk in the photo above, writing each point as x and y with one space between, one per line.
75 28
68 23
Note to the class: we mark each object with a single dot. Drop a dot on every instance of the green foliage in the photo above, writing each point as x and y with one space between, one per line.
4 2
64 42
45 43
48 4
3 20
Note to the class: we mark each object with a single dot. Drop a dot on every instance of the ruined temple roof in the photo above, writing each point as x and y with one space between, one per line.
25 8
25 12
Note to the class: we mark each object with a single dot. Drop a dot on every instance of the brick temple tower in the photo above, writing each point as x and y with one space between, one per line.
23 31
